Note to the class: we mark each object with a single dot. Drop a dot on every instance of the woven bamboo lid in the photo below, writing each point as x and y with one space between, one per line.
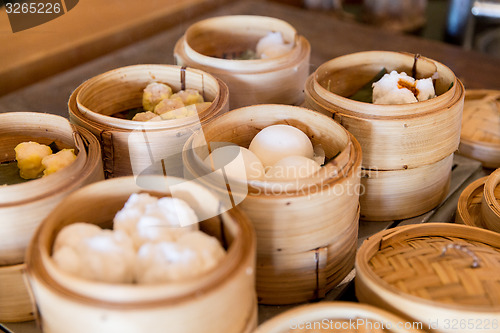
480 136
436 273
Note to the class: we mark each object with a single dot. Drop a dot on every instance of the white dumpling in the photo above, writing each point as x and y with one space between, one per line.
276 142
73 233
272 45
192 255
108 256
425 89
148 219
238 163
389 90
293 167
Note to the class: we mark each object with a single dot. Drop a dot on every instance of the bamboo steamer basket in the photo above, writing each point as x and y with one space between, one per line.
393 137
337 317
16 302
399 194
260 81
413 142
135 147
443 275
223 300
490 206
469 204
23 206
306 229
480 136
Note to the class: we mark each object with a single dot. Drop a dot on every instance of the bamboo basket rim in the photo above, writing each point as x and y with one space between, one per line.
463 214
331 310
19 194
489 193
471 142
253 65
383 111
40 247
82 111
342 166
378 241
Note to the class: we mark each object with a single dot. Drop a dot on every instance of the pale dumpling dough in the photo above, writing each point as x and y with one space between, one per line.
148 219
97 255
193 254
153 94
238 162
399 88
276 142
272 45
293 167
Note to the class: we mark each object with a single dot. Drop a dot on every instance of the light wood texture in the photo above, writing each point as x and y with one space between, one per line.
329 38
306 229
261 81
406 271
91 29
24 206
393 137
469 204
401 194
336 317
490 203
133 147
480 135
16 302
223 299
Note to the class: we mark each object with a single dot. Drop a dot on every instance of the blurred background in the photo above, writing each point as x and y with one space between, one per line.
468 23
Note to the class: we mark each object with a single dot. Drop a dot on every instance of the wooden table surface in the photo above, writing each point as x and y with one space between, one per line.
90 29
329 38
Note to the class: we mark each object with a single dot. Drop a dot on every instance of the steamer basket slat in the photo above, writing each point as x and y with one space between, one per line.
24 206
306 234
261 81
434 273
398 141
223 299
480 136
134 147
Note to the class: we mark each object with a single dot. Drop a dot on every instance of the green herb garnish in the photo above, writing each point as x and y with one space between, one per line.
365 93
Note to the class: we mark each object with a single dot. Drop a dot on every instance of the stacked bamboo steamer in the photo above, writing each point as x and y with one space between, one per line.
479 205
135 147
480 136
23 206
338 317
259 81
223 300
440 274
307 229
408 148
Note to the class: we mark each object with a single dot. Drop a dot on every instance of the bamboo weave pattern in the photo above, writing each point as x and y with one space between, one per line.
418 267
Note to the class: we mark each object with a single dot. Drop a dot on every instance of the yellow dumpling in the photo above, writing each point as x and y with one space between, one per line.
29 157
153 94
146 116
168 105
58 161
189 96
183 112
